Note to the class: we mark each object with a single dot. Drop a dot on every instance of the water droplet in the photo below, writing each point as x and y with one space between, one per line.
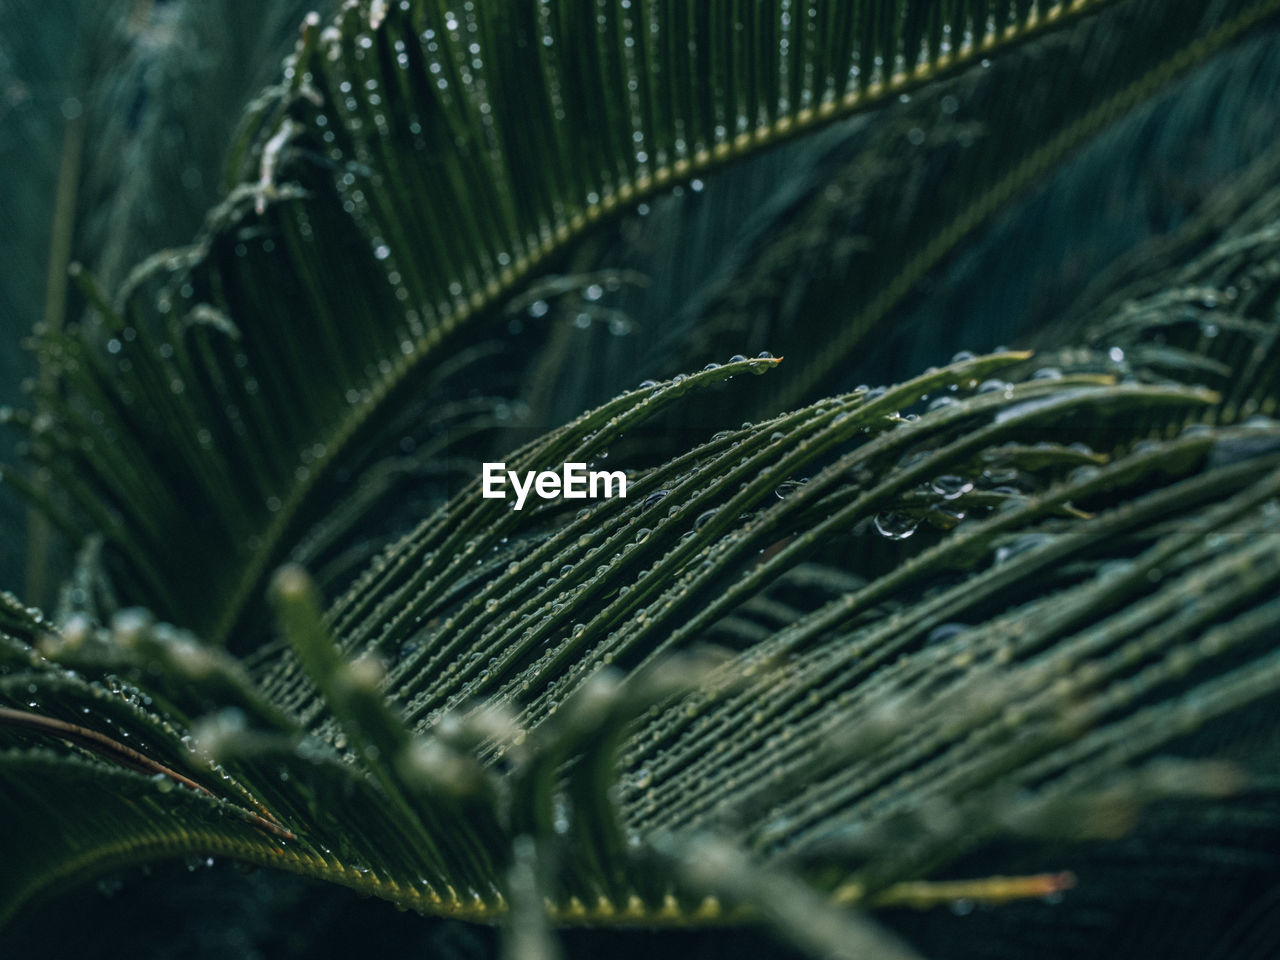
949 487
895 526
787 488
945 632
1021 545
653 498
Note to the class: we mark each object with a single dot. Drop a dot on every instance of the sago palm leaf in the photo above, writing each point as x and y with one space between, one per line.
404 183
477 694
812 666
108 115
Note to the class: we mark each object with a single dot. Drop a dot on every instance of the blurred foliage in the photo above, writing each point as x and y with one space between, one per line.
122 111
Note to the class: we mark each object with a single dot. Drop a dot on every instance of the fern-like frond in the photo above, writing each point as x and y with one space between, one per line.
417 168
1016 675
812 666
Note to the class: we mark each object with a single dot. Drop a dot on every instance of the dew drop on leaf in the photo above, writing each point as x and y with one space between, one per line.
895 526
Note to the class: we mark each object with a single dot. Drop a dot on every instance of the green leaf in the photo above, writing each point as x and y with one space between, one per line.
494 721
398 188
116 119
811 667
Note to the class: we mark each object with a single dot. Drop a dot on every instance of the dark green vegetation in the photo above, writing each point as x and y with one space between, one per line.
996 632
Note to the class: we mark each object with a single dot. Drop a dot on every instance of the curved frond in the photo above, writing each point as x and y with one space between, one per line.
416 169
813 667
1067 626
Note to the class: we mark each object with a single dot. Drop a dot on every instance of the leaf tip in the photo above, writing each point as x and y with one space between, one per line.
291 584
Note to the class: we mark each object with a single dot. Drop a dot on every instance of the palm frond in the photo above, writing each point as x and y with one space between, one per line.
120 149
408 755
395 191
814 668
